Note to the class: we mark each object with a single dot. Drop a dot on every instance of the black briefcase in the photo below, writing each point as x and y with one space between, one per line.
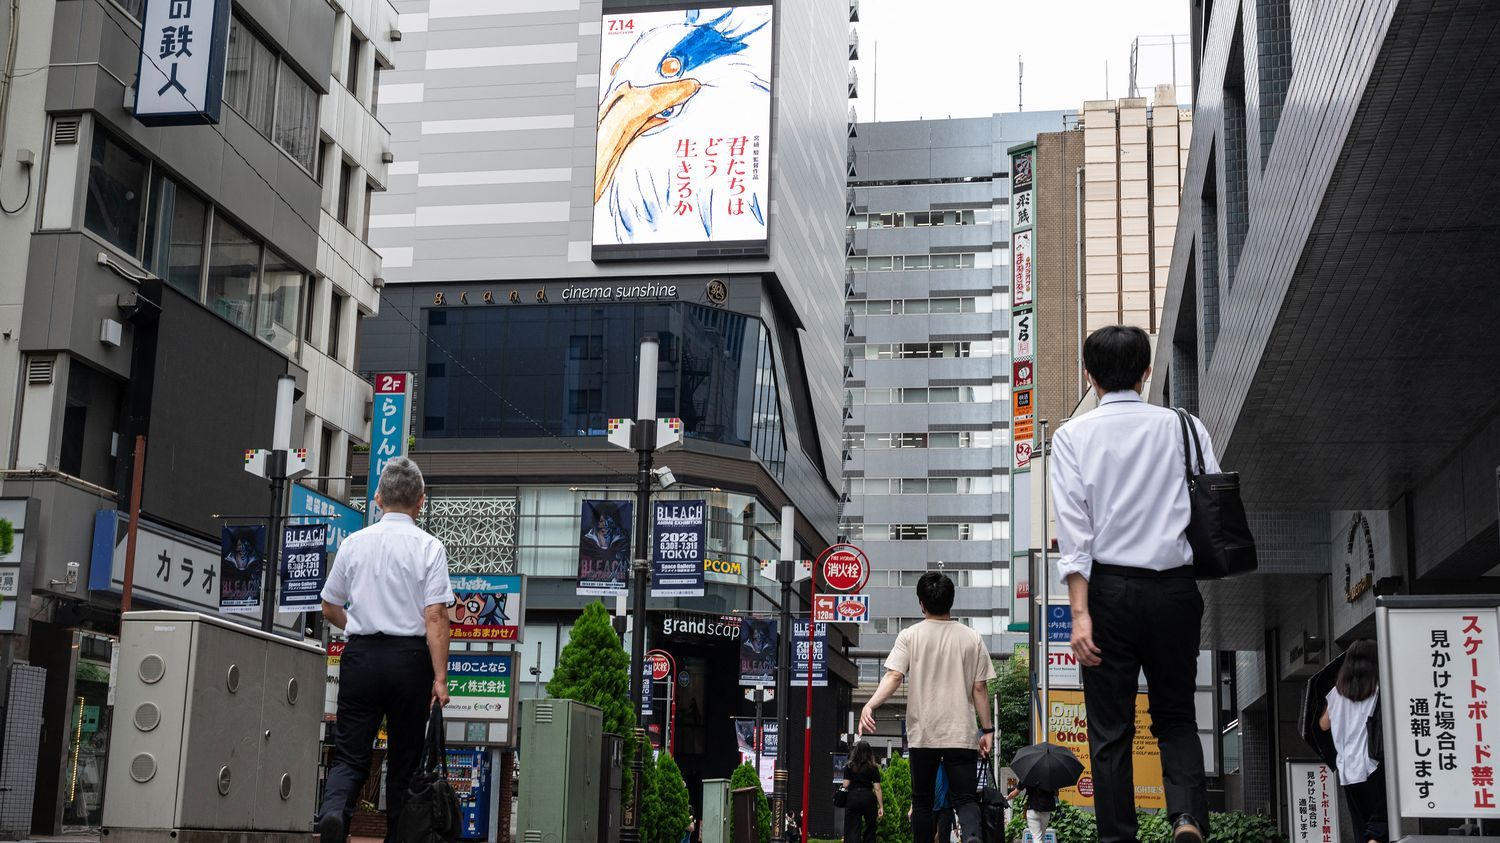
430 813
1218 530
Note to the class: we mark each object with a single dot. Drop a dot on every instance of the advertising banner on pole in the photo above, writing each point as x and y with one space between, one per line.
1070 728
389 429
744 729
304 567
1312 799
1442 664
242 560
683 141
800 654
486 607
758 643
604 548
677 539
479 686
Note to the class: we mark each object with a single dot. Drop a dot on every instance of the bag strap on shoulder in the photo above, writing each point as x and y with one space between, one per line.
1189 430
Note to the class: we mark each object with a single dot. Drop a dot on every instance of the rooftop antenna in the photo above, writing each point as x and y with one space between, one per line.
1106 78
1020 83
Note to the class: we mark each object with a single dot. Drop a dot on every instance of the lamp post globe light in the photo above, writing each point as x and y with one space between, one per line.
643 442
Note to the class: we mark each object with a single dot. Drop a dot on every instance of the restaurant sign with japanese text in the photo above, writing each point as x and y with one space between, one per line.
1442 669
180 72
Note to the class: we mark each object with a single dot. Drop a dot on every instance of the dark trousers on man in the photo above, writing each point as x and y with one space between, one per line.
962 767
1152 623
381 678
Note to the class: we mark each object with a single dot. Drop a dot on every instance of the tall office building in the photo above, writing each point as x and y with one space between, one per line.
571 177
927 438
158 279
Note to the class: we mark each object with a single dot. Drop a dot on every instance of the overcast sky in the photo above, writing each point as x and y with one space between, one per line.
940 58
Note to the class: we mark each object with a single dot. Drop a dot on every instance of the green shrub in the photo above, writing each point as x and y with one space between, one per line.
7 537
745 776
666 809
1012 686
1070 824
1240 827
895 788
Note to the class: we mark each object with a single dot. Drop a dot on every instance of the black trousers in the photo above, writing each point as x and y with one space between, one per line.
962 767
1150 624
1367 807
387 679
863 809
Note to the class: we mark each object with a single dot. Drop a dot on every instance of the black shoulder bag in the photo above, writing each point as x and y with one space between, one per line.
1218 530
431 813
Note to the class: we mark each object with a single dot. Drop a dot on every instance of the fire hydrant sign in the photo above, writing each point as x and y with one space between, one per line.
1443 669
1312 798
844 568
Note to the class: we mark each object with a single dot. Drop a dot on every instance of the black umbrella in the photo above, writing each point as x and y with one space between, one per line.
1046 766
1314 700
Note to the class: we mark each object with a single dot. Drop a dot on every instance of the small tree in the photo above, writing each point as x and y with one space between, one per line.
895 787
1012 685
745 776
594 669
7 537
665 814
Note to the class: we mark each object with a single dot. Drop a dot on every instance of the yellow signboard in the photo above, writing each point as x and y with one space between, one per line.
1069 728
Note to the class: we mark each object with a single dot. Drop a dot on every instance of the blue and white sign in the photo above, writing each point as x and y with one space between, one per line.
1059 623
310 507
180 75
677 538
388 429
801 646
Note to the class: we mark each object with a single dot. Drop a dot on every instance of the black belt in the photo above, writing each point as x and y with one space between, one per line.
381 636
1182 572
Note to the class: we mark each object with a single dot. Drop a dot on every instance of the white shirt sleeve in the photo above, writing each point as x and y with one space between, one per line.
336 587
438 589
1075 524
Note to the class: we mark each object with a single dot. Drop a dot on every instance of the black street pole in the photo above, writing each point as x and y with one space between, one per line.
786 571
643 442
271 569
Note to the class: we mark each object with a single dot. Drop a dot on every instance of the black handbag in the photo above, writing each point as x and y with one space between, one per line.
841 797
991 806
1218 530
1375 736
431 813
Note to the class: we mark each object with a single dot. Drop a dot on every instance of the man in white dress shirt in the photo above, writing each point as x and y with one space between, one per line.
1122 508
389 592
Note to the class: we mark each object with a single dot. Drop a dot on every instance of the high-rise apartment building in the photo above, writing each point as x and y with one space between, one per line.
927 438
1107 196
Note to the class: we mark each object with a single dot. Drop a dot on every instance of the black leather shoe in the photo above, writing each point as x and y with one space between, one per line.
331 829
1186 830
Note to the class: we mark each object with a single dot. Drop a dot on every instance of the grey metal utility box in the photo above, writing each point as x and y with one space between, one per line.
216 728
561 742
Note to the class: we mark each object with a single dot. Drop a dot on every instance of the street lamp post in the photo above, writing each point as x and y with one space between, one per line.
643 442
277 465
786 571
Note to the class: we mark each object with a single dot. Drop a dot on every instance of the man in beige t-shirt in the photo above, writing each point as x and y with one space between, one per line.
947 669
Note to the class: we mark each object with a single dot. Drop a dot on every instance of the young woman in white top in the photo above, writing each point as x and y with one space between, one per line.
1347 716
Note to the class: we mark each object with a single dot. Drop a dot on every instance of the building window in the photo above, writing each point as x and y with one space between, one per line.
369 202
233 273
336 324
297 119
325 146
250 77
325 458
116 200
346 191
309 309
90 414
174 236
351 71
280 298
381 65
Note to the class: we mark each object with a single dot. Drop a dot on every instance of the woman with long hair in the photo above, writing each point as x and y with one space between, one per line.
1351 704
866 804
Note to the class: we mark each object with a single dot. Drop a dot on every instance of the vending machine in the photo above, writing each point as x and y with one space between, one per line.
471 776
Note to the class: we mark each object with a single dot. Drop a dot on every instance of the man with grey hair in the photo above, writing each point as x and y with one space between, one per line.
389 591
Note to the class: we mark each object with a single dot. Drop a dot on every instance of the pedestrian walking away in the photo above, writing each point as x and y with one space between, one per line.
389 591
866 805
1122 513
1040 803
1354 700
946 668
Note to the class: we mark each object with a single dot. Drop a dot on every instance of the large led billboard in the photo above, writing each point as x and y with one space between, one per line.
683 146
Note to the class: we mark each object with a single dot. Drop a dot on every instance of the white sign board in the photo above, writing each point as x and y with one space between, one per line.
180 75
13 511
1312 802
1442 667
